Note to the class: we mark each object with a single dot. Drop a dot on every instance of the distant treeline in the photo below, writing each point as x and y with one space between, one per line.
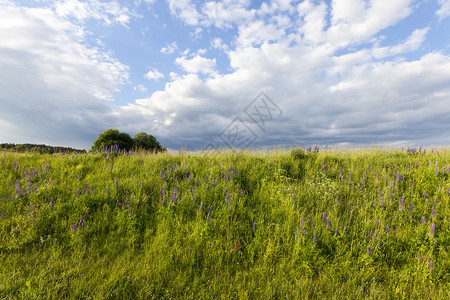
43 149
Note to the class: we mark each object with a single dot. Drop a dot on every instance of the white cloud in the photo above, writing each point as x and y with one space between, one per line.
186 11
169 49
444 9
358 97
217 43
53 87
412 43
258 32
140 88
197 64
153 74
224 13
372 92
108 12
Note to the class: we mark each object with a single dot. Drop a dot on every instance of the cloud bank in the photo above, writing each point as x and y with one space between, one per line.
327 66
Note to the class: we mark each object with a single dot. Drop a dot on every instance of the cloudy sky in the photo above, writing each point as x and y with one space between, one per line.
230 72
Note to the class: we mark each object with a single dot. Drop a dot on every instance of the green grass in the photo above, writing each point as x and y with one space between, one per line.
128 245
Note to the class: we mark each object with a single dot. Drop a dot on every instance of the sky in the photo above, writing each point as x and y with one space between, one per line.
230 73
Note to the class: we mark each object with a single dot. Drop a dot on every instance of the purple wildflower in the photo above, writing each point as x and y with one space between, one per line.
201 205
387 228
1 216
51 204
410 207
368 250
254 226
312 223
323 217
423 220
433 228
377 223
209 213
371 234
314 237
74 228
346 225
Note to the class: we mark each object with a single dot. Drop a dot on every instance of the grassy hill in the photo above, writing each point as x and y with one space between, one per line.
355 223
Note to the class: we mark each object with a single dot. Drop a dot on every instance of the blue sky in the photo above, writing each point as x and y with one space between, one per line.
199 73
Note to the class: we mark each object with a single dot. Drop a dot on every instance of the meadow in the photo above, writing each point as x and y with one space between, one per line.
298 224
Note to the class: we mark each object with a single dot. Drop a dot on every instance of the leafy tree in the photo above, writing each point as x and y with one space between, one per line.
148 142
113 137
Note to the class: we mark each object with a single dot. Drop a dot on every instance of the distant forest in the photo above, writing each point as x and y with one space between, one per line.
43 149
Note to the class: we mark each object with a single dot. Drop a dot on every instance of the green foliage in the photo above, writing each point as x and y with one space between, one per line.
146 141
140 226
42 149
113 137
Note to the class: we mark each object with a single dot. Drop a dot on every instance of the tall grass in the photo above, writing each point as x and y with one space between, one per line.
347 223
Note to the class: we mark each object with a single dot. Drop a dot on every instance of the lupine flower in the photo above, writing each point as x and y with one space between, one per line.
1 216
418 258
314 237
51 204
410 207
433 212
323 217
368 250
74 228
201 205
387 228
377 223
254 226
312 223
209 213
345 226
336 231
423 220
433 228
371 234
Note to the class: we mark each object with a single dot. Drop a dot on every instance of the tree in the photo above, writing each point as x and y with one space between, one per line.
148 142
113 137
